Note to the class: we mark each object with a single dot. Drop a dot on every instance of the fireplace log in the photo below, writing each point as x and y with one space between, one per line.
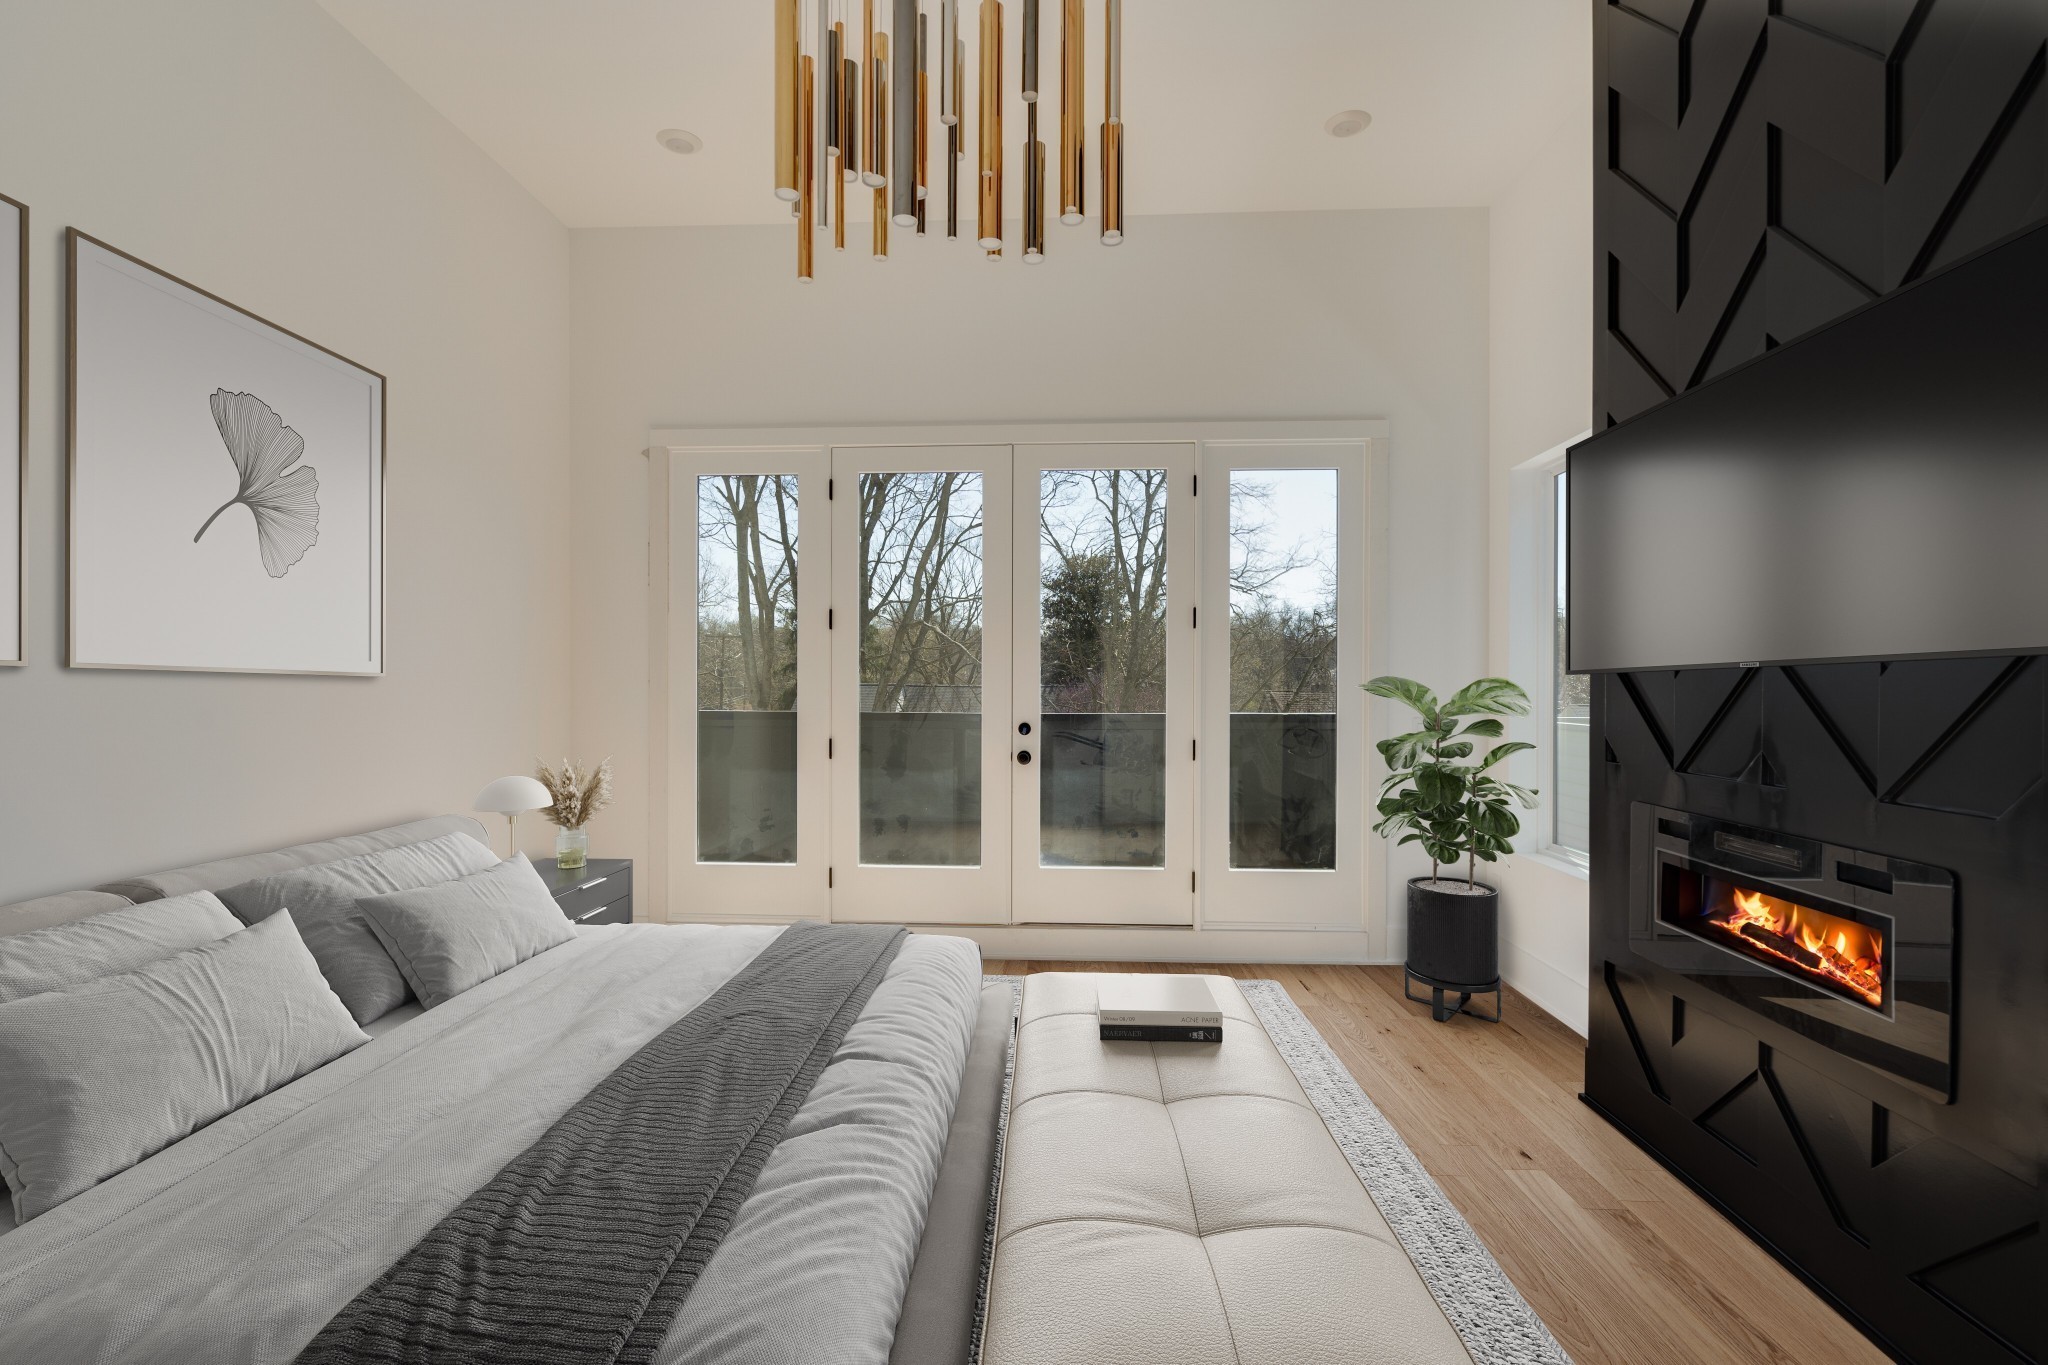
1778 943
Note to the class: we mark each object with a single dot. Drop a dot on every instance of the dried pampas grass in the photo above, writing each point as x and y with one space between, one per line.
578 794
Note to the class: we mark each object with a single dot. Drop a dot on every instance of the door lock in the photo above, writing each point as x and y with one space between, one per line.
1024 757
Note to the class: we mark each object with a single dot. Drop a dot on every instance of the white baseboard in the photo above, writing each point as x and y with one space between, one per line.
1556 992
1110 943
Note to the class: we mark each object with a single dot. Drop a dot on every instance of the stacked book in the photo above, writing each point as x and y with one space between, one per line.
1157 1009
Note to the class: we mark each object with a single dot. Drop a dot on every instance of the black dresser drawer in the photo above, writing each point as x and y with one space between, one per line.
619 911
600 893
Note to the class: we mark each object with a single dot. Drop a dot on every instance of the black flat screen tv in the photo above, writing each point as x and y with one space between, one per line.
1876 490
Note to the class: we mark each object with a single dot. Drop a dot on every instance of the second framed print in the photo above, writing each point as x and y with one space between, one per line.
13 420
227 484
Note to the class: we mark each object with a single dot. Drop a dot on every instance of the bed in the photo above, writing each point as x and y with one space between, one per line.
861 1240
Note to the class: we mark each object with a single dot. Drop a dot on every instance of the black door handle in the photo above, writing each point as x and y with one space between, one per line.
1024 757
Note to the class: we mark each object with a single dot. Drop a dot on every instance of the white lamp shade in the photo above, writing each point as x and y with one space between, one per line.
510 795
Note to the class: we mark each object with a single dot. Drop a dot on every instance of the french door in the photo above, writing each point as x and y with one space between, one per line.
1031 683
921 612
1103 785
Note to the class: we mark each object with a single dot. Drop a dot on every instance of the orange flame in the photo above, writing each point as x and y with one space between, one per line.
1841 951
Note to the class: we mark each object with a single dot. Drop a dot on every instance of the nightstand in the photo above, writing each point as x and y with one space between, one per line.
599 892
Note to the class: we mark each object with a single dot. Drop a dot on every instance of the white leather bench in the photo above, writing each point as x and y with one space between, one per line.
1183 1204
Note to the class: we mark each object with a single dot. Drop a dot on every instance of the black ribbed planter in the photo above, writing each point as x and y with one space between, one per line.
1453 947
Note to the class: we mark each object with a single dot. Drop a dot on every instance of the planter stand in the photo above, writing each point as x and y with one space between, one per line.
1439 1009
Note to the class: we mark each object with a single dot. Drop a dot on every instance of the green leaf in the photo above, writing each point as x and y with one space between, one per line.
1488 697
1460 749
1505 749
1485 729
1408 692
1439 786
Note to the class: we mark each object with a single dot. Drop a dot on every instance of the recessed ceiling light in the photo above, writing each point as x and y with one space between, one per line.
1349 123
680 141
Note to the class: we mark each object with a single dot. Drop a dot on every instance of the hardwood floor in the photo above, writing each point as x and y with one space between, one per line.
1626 1265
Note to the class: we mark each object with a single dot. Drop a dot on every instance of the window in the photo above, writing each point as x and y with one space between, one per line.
1571 697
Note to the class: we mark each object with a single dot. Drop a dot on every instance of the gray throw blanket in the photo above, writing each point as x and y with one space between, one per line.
585 1246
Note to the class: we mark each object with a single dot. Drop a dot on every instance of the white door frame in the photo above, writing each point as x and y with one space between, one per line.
665 442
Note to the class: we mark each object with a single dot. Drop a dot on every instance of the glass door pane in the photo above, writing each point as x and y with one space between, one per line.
1283 668
746 668
1104 771
921 684
1102 667
920 624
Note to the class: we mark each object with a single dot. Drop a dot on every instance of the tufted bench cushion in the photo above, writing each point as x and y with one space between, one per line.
1183 1204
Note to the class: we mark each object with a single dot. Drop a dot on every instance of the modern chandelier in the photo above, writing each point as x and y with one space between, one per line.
852 107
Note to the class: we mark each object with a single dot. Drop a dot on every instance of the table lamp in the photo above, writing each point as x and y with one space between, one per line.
509 796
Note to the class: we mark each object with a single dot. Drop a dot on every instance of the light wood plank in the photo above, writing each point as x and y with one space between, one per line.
1623 1262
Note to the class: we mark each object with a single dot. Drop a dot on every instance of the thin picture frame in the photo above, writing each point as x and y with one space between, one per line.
19 648
75 239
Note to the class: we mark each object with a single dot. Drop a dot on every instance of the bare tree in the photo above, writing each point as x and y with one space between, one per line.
1103 536
751 605
921 590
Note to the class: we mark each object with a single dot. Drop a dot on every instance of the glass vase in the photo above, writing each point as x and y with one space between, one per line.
572 848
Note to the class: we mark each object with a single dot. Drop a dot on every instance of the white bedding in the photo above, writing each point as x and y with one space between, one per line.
239 1243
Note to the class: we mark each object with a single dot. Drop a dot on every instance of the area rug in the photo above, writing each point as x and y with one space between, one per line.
1489 1314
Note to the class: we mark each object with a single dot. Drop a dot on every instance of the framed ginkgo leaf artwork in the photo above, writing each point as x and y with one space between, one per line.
227 484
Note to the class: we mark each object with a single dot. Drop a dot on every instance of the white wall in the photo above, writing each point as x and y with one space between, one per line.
1300 315
1541 395
254 148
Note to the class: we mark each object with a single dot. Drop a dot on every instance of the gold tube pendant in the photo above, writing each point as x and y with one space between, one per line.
989 230
881 88
839 209
806 172
867 93
1112 183
1112 122
787 90
1073 111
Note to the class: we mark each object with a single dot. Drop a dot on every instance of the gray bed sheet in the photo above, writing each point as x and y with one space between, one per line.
238 1243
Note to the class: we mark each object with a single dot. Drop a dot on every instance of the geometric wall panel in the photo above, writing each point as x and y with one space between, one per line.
1763 167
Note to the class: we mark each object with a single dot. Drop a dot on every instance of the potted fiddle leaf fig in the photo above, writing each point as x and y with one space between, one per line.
1444 791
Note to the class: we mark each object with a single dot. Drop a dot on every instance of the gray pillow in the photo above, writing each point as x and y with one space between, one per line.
104 1074
459 934
61 955
323 900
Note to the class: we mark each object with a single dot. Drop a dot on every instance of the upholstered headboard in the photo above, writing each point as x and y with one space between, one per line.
225 872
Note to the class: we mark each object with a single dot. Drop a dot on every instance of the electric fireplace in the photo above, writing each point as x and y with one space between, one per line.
1853 950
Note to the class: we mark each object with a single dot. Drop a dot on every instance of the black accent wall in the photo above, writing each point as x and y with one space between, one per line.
1765 166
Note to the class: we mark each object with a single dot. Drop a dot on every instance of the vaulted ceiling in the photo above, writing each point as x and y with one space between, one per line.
1224 100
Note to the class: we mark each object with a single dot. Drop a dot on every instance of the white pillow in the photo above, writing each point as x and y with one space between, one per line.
61 955
323 900
104 1074
459 934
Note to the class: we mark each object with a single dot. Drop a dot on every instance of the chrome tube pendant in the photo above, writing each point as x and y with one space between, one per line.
949 74
989 230
830 94
873 150
787 92
1031 52
1073 111
903 114
1034 188
924 124
953 182
1113 122
849 117
804 225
